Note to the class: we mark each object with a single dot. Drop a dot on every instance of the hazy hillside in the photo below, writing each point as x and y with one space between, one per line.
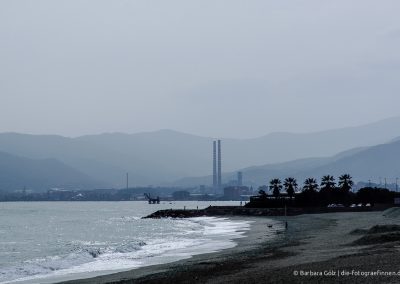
150 158
258 175
369 163
40 175
375 162
164 156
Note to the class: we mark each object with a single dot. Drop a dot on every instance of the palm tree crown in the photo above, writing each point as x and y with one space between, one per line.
345 182
328 182
310 184
290 186
275 186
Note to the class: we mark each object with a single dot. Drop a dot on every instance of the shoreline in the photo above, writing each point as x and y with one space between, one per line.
312 243
250 240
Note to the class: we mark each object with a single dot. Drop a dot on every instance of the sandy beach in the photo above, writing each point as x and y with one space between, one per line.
329 248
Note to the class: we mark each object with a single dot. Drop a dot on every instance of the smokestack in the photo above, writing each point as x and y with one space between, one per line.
219 164
215 164
240 178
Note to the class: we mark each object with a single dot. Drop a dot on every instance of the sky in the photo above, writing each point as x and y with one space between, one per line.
213 68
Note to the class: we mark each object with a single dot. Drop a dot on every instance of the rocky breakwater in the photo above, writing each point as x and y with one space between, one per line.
177 213
223 211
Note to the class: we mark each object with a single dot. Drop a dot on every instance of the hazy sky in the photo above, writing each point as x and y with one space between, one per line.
216 68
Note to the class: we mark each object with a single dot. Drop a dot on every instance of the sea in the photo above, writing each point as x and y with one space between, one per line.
48 242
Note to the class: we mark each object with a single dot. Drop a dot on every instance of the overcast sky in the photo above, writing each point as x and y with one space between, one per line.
215 68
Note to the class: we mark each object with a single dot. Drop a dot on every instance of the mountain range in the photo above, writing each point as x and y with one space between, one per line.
169 157
18 172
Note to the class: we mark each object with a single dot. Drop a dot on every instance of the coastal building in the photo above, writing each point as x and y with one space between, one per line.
181 195
232 193
237 193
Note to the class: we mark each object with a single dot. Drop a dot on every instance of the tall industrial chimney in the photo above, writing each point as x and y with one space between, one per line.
214 164
219 164
239 179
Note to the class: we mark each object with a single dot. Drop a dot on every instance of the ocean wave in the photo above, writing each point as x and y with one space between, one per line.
80 252
96 249
167 241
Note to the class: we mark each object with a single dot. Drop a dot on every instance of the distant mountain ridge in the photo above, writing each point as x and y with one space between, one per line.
162 157
40 175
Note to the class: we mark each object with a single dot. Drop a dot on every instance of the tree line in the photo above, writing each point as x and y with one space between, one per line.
310 185
311 193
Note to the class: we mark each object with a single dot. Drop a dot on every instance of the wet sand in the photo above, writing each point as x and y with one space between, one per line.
318 247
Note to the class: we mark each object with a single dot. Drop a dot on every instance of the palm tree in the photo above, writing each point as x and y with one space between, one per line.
290 186
275 185
328 192
328 182
310 185
345 183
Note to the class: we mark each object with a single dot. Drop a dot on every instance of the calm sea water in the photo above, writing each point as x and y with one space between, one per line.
50 241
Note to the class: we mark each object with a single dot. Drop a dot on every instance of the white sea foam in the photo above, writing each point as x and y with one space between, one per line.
89 258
